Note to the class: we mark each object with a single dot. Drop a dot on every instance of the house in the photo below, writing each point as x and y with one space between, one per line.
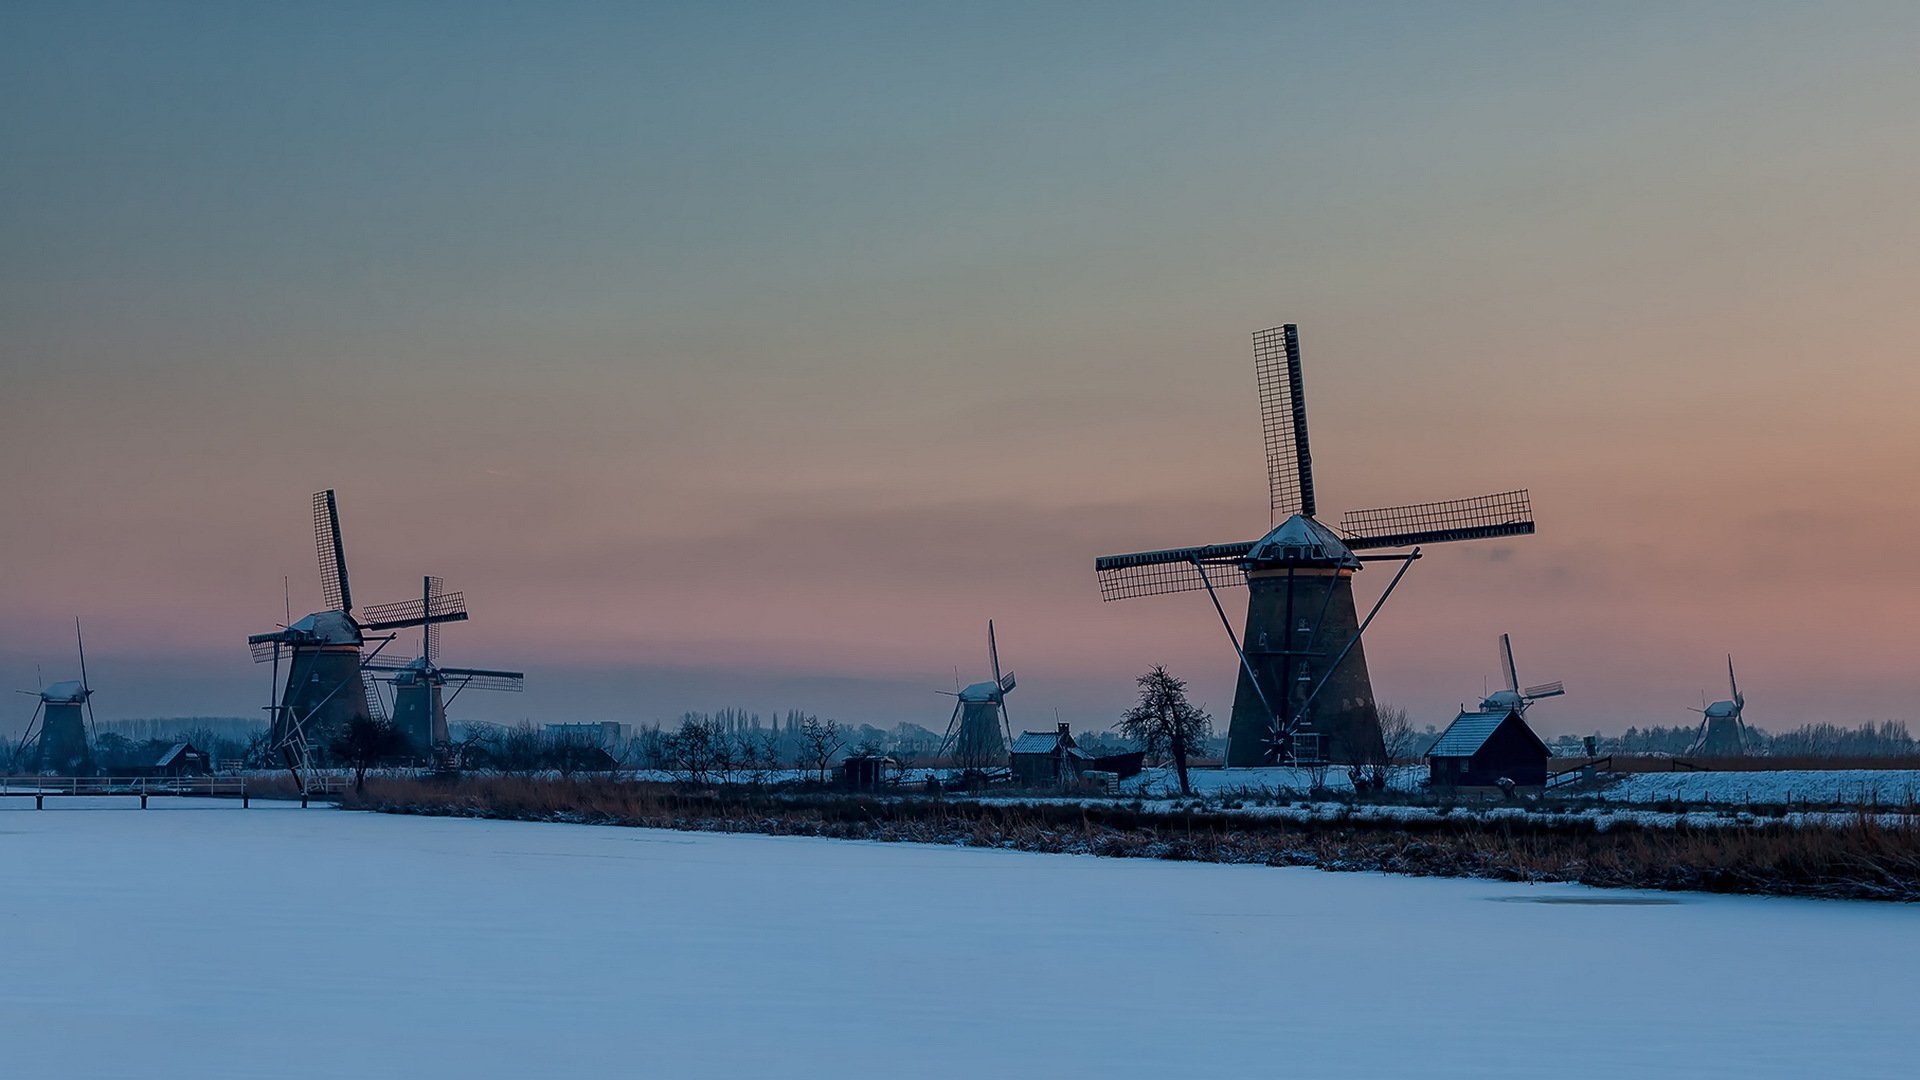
1041 758
181 759
1485 753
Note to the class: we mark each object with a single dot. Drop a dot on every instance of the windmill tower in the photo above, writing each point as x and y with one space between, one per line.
1303 693
977 732
325 692
419 685
1723 728
61 746
1513 698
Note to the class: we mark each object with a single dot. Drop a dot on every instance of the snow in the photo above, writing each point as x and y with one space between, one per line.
209 941
71 692
1862 787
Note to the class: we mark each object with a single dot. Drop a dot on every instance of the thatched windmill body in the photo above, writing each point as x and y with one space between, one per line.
978 733
57 737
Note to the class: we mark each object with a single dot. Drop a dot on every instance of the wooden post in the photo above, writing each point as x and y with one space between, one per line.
39 802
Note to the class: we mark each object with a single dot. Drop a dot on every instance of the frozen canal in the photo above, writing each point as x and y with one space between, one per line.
197 942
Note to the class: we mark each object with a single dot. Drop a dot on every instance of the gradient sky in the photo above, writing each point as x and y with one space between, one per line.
757 354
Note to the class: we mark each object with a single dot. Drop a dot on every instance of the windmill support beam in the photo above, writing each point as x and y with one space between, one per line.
1226 760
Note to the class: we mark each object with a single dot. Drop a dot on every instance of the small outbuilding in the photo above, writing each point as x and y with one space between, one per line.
1040 758
1486 753
181 759
867 772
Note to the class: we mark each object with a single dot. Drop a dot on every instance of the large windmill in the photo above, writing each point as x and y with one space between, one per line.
325 692
61 745
1303 694
419 685
977 733
1512 698
1723 727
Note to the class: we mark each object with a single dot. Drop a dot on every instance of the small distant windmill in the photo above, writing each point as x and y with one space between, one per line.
1723 728
62 746
977 733
1513 698
325 691
1304 694
419 685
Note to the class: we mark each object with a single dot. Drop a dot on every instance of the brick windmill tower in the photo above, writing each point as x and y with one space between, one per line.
325 691
1304 695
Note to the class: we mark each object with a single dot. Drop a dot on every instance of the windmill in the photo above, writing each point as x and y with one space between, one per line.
325 692
1513 698
419 685
62 746
1723 729
977 733
1303 693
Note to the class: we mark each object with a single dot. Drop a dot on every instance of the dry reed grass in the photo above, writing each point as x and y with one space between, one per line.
1862 858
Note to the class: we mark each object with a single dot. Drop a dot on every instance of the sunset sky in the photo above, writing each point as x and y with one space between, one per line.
756 355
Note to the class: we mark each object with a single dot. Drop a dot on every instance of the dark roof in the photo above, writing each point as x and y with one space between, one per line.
1039 742
170 756
1468 733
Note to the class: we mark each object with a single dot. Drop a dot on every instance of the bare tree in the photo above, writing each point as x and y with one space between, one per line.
820 742
1396 732
365 743
1164 721
694 750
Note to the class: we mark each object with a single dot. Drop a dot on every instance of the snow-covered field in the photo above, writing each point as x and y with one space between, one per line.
190 941
1887 788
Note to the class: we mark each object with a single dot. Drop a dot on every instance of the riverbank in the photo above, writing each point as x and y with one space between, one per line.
1862 857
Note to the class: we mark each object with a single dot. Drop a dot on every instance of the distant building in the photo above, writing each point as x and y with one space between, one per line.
180 759
1483 753
1047 757
866 772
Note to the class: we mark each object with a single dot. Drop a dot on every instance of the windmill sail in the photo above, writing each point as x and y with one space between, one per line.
1283 423
1504 513
1152 573
334 585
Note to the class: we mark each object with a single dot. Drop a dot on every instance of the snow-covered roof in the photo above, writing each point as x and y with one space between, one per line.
64 693
1036 742
1720 710
1302 539
1468 733
981 692
167 758
329 628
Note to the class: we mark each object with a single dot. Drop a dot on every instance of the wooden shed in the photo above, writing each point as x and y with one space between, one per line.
1040 758
1483 753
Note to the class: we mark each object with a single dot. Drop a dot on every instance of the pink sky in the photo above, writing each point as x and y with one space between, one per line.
774 399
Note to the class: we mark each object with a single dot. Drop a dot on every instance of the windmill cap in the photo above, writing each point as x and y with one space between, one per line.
64 693
1300 539
1722 709
981 691
329 628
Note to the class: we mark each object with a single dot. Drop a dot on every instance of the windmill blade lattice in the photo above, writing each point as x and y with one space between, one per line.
442 607
1505 513
1283 423
334 585
1154 573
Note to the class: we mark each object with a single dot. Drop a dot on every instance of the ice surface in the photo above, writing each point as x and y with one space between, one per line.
208 942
